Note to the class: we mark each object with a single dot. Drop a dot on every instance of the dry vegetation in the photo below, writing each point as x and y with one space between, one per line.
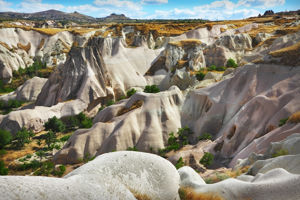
288 55
295 118
186 43
135 105
24 47
190 194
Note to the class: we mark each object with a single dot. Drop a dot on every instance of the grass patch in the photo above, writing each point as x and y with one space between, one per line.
190 194
280 152
282 121
207 159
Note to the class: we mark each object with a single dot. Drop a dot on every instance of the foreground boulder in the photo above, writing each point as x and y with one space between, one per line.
276 184
118 175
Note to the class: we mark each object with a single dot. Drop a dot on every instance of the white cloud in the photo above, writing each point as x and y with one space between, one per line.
5 6
217 10
261 3
119 3
29 6
154 1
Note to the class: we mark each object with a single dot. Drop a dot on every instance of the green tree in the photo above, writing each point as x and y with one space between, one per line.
55 125
131 92
231 63
3 169
207 159
5 138
179 163
22 137
50 138
200 76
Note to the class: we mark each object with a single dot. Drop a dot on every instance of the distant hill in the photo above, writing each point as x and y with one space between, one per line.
59 15
114 17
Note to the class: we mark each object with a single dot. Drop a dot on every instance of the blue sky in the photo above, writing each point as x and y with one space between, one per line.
162 9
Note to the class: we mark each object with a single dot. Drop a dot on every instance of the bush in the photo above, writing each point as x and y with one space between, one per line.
207 159
205 136
4 89
231 63
30 71
283 121
50 138
22 137
179 163
55 125
175 143
131 92
151 89
212 68
132 149
5 138
84 121
3 169
14 104
200 76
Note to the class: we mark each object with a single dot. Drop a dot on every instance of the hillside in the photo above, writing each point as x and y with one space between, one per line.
159 110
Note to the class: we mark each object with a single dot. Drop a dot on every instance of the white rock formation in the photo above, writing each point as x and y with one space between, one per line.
232 109
28 91
144 121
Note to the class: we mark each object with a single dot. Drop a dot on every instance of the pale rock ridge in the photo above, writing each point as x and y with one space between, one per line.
144 121
28 91
84 76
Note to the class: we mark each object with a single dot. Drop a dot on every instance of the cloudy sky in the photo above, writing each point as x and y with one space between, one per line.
148 9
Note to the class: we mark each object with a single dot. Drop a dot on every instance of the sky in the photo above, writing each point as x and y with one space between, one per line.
156 9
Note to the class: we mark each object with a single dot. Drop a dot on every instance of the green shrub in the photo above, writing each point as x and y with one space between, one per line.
176 142
207 159
280 152
179 163
65 138
231 63
200 76
131 92
55 125
30 71
5 138
22 137
151 89
84 121
283 121
132 149
4 89
61 170
3 169
212 68
14 103
205 136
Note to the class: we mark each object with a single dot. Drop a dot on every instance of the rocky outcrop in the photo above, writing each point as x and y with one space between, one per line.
26 92
19 47
34 119
118 175
84 76
230 109
144 121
